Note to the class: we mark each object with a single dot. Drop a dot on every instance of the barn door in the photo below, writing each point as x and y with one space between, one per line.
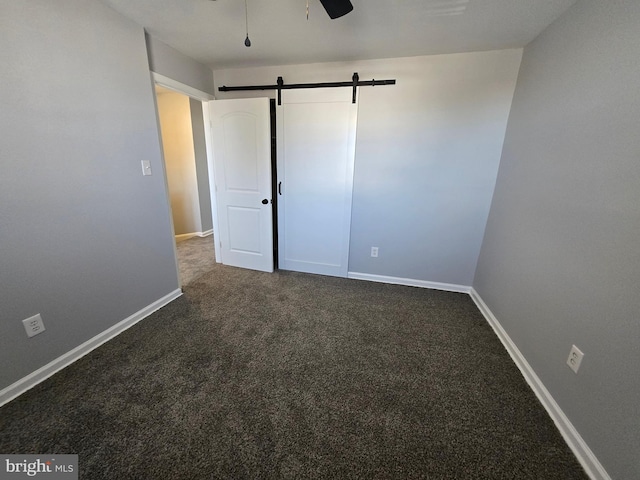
316 149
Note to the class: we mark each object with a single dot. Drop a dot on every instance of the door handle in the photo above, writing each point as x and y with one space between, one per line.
279 188
265 201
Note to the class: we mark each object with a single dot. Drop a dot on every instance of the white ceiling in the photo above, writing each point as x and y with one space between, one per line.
213 32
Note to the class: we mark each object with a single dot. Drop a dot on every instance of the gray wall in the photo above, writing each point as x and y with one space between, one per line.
427 155
85 239
169 62
202 168
560 262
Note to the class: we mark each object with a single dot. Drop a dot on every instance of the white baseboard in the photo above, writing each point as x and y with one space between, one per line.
18 388
581 450
187 236
410 282
184 236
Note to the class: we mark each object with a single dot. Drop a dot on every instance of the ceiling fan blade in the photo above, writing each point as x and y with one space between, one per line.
337 8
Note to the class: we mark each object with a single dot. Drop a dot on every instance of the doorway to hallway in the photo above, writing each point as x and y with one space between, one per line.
183 133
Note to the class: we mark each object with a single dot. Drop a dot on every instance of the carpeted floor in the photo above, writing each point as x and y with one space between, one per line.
195 257
289 375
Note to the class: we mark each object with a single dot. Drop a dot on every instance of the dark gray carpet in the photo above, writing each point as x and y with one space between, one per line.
288 375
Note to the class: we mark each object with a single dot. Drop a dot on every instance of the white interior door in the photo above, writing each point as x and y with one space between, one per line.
242 171
316 149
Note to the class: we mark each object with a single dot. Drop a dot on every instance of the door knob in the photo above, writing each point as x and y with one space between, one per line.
265 201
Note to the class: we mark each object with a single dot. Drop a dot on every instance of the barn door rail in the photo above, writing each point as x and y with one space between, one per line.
280 85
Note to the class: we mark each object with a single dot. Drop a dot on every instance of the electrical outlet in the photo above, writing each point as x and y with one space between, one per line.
575 358
374 251
33 325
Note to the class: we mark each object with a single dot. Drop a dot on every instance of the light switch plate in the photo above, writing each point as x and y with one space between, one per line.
146 167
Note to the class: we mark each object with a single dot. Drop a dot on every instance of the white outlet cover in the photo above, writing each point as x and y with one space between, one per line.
575 358
33 325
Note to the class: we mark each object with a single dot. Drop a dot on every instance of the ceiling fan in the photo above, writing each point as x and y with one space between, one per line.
334 8
337 8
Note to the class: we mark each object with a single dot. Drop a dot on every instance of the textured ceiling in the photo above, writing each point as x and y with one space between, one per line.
213 32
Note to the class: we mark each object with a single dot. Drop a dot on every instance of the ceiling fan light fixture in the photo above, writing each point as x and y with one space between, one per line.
337 8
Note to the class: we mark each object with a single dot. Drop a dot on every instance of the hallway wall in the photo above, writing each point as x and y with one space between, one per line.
174 111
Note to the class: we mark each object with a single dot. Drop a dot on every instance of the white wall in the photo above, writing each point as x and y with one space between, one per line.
560 262
167 61
179 155
427 154
85 238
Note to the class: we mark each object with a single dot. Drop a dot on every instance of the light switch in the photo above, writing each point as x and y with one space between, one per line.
146 167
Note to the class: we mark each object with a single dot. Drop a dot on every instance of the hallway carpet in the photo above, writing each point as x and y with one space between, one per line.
195 257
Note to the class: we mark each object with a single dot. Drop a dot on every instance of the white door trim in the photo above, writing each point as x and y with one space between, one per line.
208 140
172 84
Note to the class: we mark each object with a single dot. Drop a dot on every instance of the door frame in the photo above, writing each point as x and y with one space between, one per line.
205 98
